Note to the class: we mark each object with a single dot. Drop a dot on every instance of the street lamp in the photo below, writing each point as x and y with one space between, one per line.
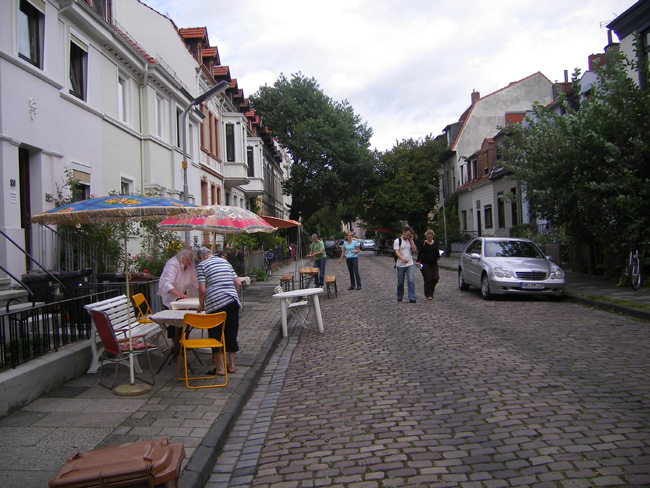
444 216
218 88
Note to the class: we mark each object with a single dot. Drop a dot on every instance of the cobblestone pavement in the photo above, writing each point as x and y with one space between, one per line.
454 392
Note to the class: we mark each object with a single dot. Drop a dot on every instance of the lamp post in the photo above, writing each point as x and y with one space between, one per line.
444 216
218 88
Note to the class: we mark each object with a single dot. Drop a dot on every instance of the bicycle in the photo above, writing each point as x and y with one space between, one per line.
268 261
631 274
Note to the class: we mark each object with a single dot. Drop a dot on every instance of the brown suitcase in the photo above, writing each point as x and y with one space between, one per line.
137 464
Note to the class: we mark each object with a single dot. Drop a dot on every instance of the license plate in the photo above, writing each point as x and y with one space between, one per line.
532 286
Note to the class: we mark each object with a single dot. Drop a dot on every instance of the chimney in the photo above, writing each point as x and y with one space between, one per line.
475 96
596 61
566 76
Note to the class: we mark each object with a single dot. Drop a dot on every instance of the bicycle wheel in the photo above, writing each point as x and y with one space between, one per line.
624 280
635 275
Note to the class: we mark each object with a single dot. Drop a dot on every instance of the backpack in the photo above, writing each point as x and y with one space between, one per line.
395 254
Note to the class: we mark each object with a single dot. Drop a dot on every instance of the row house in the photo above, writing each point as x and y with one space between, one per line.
631 25
94 92
468 169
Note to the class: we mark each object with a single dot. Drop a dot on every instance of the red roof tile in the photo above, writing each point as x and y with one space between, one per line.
193 32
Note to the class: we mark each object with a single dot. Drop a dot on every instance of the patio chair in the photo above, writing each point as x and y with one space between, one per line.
143 311
204 322
116 351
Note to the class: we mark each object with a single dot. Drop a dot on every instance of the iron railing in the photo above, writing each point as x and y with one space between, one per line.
28 332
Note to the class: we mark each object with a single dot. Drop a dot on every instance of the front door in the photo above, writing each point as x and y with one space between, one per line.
25 205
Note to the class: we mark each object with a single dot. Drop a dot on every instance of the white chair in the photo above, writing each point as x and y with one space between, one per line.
294 308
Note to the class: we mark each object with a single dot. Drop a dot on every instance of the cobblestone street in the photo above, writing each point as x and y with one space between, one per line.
457 391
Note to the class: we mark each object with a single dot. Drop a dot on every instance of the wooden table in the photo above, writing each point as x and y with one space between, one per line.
305 273
286 297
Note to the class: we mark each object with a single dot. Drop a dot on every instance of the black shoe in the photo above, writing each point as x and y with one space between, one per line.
399 299
413 301
211 372
351 288
359 287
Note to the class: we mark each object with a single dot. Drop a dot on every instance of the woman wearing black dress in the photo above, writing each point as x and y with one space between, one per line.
428 256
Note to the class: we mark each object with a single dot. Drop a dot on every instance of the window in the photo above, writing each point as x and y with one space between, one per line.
98 6
78 67
80 185
474 169
645 54
487 213
513 207
501 211
159 115
230 142
122 99
179 127
463 219
250 159
31 22
125 187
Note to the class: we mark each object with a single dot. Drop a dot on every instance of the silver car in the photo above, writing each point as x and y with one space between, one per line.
500 265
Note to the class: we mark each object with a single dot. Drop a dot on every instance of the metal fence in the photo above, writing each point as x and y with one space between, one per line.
33 331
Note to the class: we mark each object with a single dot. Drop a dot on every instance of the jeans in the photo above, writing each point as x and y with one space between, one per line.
409 271
353 268
319 280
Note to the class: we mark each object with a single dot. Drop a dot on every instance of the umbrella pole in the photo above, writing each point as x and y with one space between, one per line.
130 389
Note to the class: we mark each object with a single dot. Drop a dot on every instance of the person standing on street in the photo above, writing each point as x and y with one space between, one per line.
219 288
404 248
350 249
428 256
317 254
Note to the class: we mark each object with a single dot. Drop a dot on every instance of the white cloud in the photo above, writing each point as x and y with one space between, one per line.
407 67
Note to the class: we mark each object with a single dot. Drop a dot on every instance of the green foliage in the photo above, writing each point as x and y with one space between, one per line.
259 274
401 194
587 171
327 141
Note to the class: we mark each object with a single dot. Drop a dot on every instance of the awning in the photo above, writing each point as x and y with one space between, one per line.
385 230
280 223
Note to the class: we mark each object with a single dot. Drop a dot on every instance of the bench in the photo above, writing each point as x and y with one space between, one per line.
120 312
330 281
286 280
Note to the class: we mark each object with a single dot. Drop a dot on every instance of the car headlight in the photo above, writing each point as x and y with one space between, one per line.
557 274
503 273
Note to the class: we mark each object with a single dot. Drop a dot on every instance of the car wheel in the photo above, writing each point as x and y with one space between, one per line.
557 298
462 286
485 287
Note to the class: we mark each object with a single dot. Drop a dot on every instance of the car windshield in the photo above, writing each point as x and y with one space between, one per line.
512 249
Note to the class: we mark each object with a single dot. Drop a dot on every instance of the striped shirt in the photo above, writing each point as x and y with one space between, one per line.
219 278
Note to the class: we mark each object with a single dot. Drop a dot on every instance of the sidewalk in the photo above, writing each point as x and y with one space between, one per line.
81 415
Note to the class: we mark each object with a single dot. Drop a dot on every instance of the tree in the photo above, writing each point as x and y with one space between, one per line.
401 193
588 170
327 141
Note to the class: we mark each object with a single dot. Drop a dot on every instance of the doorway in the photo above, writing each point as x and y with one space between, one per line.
25 202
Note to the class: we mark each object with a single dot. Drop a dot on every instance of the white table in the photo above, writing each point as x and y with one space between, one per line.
287 296
176 319
189 303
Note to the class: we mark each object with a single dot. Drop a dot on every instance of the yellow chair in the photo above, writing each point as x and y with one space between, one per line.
203 321
142 312
142 309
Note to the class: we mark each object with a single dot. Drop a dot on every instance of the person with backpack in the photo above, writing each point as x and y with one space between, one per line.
404 248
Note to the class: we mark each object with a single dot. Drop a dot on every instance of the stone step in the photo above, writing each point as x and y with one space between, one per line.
6 295
5 283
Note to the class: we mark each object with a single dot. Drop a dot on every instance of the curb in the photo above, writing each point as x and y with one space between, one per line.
609 307
198 470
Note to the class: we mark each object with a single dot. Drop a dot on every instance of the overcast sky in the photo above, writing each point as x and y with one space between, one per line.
407 67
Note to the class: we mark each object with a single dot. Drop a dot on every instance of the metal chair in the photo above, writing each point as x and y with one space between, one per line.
142 312
116 351
204 322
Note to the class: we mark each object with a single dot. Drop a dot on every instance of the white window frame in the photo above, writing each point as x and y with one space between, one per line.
30 42
77 42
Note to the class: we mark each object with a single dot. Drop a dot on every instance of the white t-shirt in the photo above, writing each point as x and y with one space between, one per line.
405 252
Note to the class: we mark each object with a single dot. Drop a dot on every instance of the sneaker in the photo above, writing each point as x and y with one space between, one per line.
412 300
429 298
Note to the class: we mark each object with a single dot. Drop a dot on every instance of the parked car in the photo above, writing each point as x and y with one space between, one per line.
331 249
367 245
500 266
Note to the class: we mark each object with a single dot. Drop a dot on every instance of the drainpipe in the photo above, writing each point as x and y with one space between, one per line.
143 92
